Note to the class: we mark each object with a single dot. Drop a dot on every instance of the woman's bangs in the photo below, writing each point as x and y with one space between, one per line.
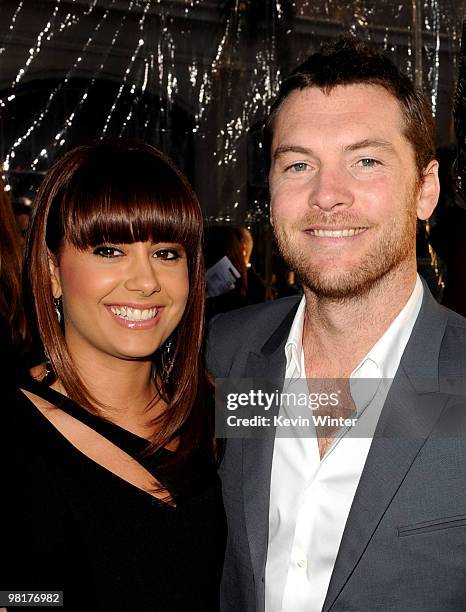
124 216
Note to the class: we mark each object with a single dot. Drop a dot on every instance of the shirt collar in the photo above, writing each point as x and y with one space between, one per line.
384 357
294 344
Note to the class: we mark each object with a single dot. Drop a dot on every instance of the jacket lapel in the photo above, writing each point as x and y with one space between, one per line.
268 367
411 409
393 450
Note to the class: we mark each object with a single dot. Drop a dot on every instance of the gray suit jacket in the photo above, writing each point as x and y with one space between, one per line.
404 544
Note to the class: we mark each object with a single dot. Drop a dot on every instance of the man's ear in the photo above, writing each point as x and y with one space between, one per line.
429 191
54 275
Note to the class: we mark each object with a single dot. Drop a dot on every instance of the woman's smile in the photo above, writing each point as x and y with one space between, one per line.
135 317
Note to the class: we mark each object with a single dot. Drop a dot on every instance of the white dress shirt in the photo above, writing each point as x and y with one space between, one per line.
310 498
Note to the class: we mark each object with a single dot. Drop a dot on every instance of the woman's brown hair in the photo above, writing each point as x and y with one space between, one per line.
122 191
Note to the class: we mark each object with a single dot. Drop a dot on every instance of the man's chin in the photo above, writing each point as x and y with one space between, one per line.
344 286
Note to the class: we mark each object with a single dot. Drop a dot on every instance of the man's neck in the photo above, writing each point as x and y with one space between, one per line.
339 333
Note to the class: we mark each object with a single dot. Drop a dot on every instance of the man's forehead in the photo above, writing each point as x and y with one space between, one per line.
343 107
342 97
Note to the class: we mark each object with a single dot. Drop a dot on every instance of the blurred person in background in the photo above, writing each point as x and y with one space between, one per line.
283 279
227 279
257 290
231 280
448 235
22 208
13 327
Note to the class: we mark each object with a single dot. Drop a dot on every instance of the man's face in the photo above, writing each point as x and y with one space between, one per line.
345 191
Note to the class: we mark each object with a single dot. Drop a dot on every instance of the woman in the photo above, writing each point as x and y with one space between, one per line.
113 495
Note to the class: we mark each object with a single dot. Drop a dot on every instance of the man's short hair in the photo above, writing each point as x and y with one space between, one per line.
349 61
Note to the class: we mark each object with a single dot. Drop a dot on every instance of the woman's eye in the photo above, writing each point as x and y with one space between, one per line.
167 254
107 251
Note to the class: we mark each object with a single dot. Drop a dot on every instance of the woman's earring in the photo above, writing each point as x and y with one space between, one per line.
167 359
57 305
49 374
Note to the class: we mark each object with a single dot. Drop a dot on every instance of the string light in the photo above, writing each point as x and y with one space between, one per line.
225 79
60 137
37 122
127 71
35 50
432 16
11 27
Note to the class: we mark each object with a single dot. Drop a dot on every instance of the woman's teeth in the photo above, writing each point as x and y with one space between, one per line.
134 314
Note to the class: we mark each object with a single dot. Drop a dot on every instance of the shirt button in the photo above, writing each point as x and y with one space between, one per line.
302 563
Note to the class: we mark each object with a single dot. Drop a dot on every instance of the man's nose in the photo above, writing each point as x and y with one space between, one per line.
143 276
331 189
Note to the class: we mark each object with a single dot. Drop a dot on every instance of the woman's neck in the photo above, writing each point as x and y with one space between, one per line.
124 390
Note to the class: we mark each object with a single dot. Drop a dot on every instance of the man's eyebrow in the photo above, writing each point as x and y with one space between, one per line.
282 149
369 143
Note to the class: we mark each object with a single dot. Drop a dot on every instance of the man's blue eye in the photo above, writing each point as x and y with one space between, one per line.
368 162
299 166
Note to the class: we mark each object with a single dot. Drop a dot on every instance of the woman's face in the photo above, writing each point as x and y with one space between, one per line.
120 300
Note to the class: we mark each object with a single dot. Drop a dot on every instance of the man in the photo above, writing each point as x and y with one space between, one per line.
369 522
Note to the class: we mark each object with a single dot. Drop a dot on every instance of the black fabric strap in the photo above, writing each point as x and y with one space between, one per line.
129 442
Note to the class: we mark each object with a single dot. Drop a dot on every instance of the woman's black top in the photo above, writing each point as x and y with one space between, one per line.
71 525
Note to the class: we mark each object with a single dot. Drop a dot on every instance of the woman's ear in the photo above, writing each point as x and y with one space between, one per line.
54 275
429 191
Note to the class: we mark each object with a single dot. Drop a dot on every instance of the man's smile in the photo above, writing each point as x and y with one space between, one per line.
336 233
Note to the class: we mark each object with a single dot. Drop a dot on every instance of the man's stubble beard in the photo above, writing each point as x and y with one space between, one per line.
394 248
